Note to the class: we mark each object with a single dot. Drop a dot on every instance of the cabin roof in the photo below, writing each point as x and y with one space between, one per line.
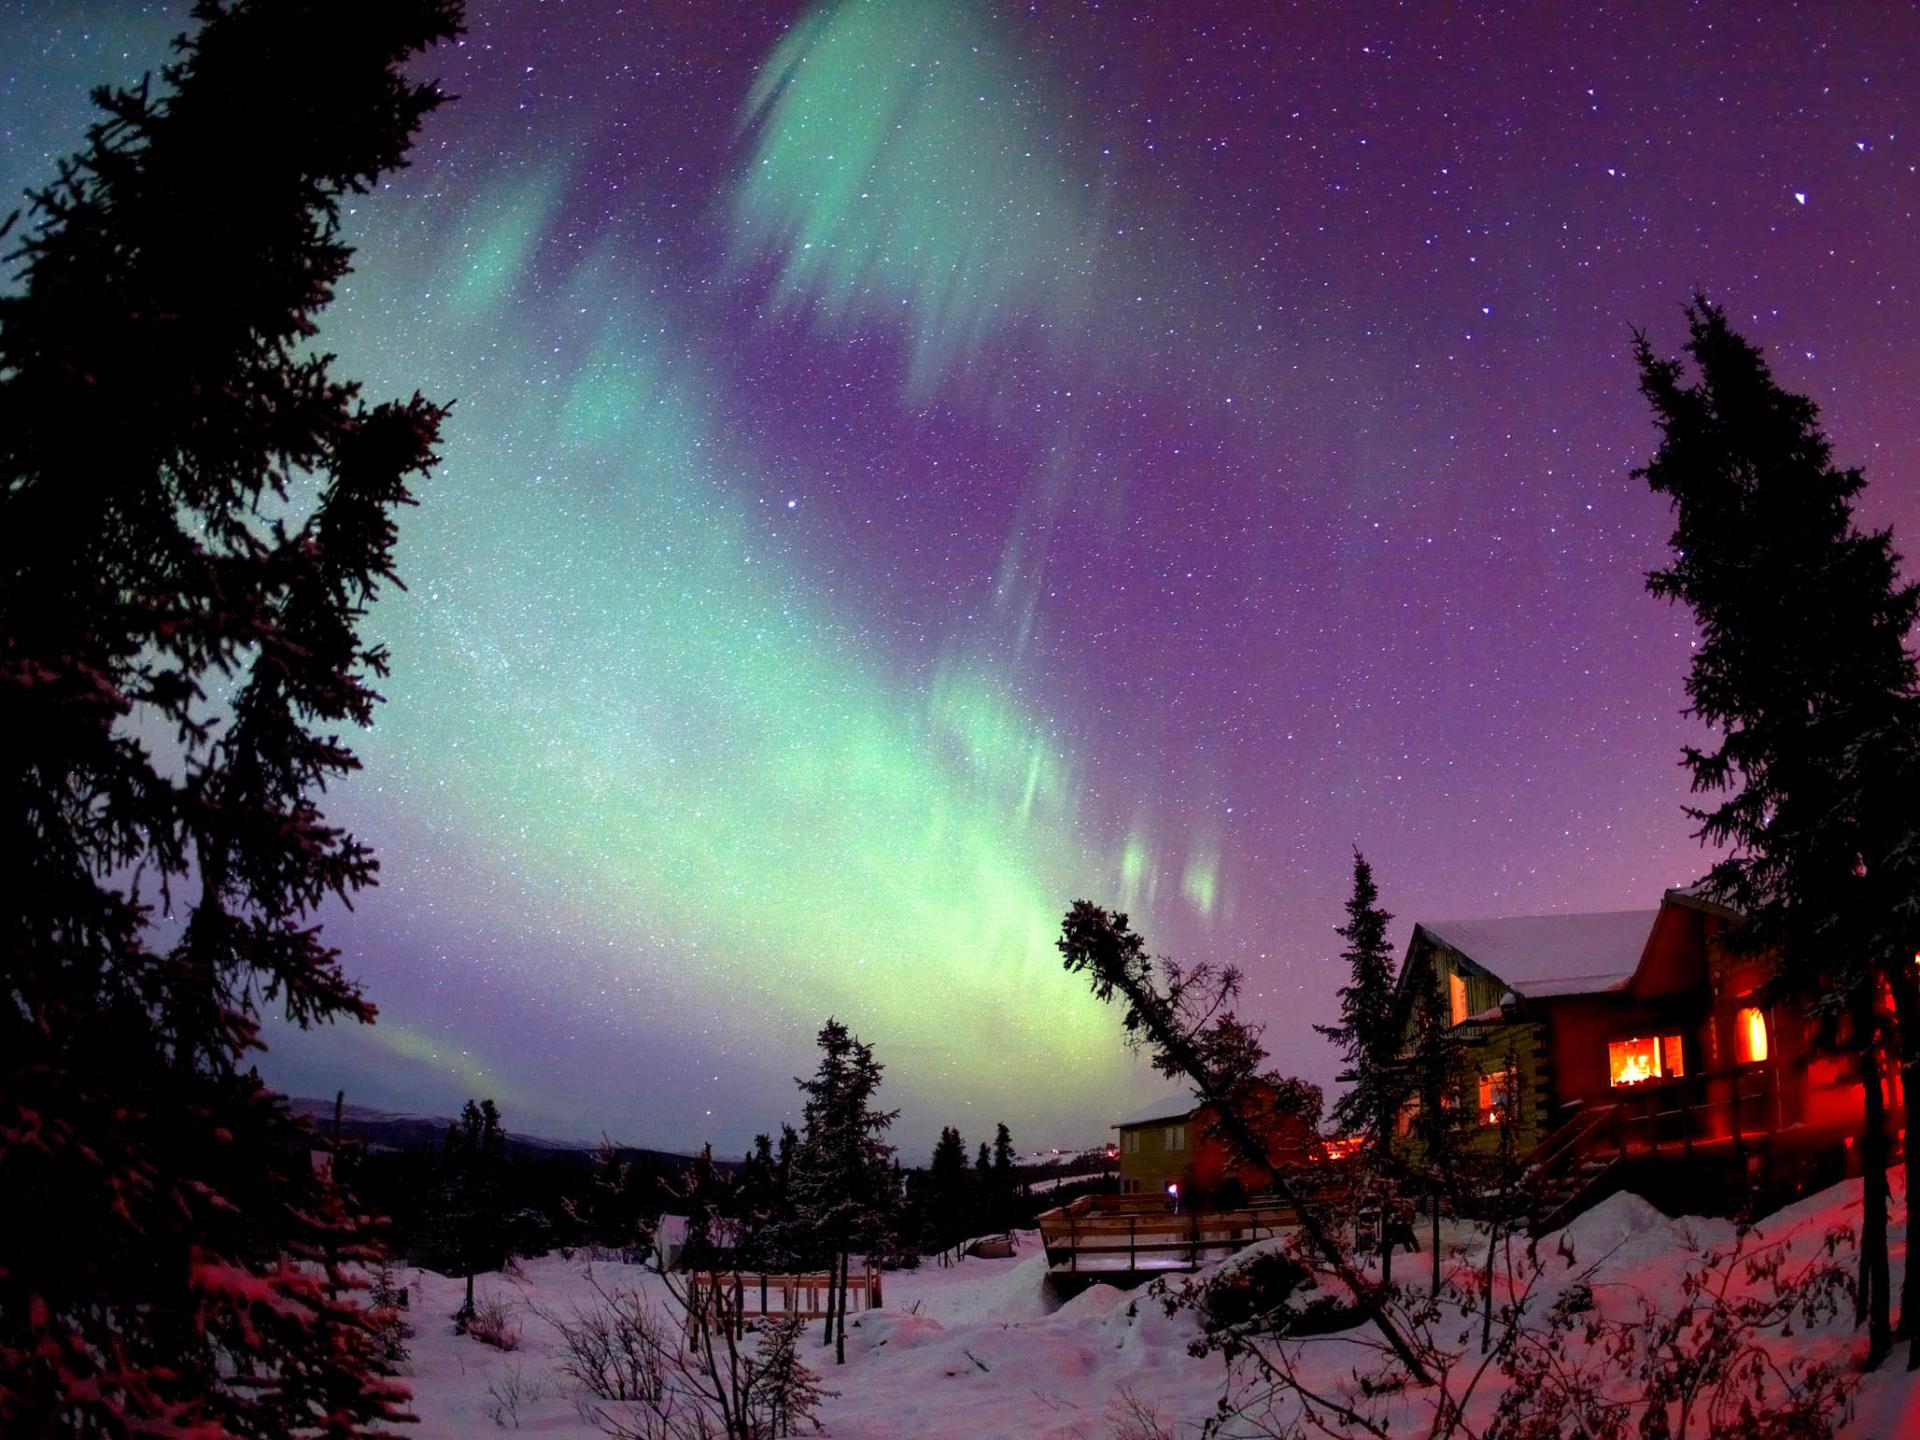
1542 956
1167 1107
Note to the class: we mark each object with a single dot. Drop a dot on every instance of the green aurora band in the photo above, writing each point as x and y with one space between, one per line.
622 692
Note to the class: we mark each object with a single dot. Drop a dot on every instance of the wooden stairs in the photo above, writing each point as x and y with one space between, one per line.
1575 1168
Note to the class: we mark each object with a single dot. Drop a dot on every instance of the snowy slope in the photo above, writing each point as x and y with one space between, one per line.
977 1349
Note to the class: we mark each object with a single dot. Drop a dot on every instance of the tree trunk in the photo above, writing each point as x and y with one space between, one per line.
833 1267
1493 1244
466 1310
1906 1008
1435 1238
1383 1141
840 1328
1875 1282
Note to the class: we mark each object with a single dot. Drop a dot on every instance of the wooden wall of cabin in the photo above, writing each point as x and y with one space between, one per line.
1488 1053
1818 1087
1488 1044
1580 1029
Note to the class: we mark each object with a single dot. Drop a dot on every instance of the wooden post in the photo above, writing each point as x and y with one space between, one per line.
1133 1241
1073 1241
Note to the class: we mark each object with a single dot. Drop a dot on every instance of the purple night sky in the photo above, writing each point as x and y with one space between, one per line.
917 464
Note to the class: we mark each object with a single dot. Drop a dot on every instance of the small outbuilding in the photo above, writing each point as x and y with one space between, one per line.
1171 1146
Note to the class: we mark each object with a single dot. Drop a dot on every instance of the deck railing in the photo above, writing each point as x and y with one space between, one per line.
1138 1232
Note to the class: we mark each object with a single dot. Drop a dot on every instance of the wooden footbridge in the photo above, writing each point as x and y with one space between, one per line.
1138 1234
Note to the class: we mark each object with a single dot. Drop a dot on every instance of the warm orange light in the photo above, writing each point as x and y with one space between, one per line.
1456 998
1750 1035
1634 1062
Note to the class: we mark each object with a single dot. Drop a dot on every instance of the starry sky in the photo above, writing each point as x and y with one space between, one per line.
916 464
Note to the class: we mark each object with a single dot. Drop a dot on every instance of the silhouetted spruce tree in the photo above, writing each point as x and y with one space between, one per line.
1370 1036
1438 1078
606 1215
844 1191
758 1201
472 1197
1005 1179
195 514
1803 671
710 1201
949 1191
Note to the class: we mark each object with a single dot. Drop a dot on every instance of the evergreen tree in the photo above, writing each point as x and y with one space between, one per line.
949 1188
1003 1168
763 1201
610 1219
195 514
1804 673
1370 1036
983 1164
710 1201
843 1187
1004 1178
473 1203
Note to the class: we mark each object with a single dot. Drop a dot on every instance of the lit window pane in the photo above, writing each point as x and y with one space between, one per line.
1750 1035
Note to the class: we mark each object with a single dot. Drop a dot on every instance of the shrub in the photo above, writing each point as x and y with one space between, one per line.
492 1323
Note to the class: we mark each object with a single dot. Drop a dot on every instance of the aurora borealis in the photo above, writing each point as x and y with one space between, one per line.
918 464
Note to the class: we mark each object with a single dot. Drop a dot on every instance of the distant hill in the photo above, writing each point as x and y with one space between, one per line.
396 1130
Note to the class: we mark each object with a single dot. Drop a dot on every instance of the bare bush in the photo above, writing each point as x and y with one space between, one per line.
1565 1363
492 1323
619 1349
638 1381
1136 1418
508 1393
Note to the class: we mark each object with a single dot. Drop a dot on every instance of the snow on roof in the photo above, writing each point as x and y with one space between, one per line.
1167 1107
1547 955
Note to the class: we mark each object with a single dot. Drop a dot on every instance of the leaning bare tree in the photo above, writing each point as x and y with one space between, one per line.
1182 1017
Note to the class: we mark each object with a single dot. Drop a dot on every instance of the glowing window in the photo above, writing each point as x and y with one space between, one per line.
1456 997
1496 1091
1750 1035
1636 1061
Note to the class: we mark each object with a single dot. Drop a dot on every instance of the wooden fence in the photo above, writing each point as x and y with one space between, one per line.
735 1294
1126 1232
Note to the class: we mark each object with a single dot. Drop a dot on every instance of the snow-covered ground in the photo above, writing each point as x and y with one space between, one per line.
979 1349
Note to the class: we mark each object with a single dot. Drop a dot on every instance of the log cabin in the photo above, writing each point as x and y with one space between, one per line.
1628 1040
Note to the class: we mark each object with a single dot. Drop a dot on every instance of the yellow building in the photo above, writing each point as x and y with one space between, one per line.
1156 1145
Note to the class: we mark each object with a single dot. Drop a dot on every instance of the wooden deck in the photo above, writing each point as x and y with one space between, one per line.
1717 1142
1133 1234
